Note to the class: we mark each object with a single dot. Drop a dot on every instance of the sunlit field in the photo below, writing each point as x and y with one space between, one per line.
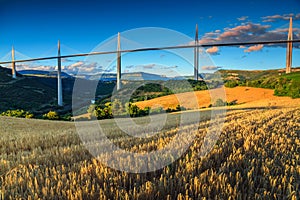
251 96
256 157
149 100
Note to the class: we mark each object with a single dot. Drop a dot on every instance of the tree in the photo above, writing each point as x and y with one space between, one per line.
117 108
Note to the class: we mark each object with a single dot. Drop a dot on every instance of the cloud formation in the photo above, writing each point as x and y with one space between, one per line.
210 67
243 18
248 32
149 66
254 48
74 68
170 67
24 66
212 50
82 67
245 32
274 18
143 66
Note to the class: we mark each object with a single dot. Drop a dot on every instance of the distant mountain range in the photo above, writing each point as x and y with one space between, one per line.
105 77
43 73
133 76
140 76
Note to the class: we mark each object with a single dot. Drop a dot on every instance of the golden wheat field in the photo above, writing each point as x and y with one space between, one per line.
245 96
257 156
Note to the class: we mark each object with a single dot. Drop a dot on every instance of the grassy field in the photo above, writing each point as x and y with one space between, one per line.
256 157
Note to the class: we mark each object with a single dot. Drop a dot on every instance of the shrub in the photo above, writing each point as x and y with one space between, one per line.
103 113
91 108
156 110
133 110
178 108
67 117
51 115
231 84
232 103
17 113
219 102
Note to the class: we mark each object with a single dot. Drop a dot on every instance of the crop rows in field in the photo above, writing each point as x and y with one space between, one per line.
256 157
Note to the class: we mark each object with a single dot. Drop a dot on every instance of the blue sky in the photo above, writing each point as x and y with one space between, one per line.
34 26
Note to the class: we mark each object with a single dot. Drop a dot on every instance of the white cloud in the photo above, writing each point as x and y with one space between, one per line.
170 67
75 65
210 67
149 66
274 18
254 48
129 66
83 67
80 66
243 18
212 50
24 66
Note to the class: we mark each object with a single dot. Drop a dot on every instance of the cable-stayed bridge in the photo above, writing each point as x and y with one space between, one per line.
118 52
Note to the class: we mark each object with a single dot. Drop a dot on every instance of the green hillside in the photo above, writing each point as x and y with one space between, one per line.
38 95
248 74
24 93
282 84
